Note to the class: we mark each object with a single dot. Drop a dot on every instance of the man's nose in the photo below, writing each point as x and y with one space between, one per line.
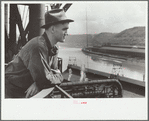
66 34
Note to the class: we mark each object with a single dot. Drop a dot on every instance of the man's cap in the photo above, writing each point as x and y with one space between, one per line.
55 16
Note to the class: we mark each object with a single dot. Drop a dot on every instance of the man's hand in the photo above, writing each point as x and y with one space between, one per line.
32 90
56 71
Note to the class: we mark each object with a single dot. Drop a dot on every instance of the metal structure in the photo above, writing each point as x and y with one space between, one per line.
109 88
101 88
13 44
36 20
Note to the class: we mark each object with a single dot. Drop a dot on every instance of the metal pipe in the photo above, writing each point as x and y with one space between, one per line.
36 18
63 92
12 23
12 33
6 17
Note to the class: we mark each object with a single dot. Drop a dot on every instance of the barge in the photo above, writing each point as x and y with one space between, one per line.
123 53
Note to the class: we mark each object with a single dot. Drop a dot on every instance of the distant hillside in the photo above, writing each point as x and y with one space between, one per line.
78 41
132 32
103 38
132 36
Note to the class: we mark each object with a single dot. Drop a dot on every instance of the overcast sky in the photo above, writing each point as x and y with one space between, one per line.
106 16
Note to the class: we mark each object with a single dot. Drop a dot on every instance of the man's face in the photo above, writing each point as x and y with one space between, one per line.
60 32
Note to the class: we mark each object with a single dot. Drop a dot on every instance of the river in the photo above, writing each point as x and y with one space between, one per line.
127 68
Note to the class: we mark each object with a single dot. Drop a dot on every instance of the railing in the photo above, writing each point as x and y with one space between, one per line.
107 88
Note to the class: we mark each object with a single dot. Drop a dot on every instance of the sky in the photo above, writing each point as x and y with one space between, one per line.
106 16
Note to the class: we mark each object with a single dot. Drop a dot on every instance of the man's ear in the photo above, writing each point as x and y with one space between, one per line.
52 29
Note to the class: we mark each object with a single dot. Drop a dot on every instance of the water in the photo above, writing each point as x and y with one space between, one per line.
126 68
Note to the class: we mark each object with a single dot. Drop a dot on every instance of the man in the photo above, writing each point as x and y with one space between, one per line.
35 66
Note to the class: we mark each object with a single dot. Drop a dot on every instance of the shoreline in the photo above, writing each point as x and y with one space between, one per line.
126 55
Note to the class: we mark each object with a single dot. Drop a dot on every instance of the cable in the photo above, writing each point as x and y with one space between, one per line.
87 34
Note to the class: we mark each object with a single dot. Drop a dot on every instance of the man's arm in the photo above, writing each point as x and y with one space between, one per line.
53 75
46 76
41 72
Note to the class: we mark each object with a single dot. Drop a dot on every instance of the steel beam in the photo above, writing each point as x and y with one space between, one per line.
67 6
12 23
12 33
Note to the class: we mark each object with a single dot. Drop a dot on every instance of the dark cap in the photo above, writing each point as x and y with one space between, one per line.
54 17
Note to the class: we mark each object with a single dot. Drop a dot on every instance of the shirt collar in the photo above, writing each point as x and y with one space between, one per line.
47 41
53 50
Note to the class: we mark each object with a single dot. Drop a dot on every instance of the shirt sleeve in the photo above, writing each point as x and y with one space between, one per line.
40 70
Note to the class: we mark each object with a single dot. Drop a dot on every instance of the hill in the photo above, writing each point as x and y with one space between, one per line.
78 40
131 36
103 38
132 32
